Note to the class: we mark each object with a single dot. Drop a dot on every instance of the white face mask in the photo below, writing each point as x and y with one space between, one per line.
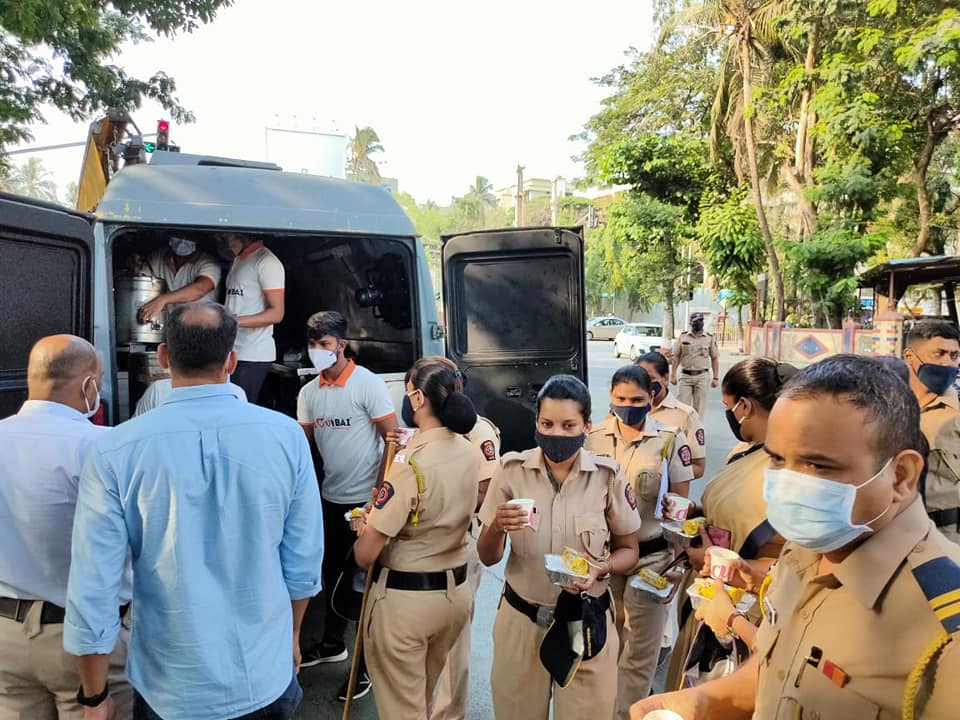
91 410
322 359
814 512
182 246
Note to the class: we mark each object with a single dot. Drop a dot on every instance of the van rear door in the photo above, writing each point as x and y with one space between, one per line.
514 307
46 284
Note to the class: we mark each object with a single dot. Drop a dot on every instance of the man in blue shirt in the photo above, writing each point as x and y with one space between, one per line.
217 500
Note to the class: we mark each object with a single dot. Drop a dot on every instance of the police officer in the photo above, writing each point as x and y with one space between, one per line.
670 411
695 354
420 600
641 446
933 355
862 614
581 501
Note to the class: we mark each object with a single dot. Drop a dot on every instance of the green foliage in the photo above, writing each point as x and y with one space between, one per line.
361 167
732 245
62 53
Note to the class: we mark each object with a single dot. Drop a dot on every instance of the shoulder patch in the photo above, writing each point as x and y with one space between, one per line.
631 498
701 438
384 494
939 579
685 458
489 450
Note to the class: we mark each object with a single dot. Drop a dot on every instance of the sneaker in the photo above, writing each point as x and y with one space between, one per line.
361 688
324 652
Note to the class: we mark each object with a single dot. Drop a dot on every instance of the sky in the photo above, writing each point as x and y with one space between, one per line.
454 90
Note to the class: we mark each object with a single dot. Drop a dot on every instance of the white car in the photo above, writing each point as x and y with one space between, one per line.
635 339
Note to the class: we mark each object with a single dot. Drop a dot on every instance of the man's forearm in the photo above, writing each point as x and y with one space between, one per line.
94 670
299 610
716 368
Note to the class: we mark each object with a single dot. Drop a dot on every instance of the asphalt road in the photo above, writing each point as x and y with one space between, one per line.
320 683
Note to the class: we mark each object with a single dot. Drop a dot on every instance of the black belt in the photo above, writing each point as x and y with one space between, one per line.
946 518
399 580
649 547
694 372
50 614
540 614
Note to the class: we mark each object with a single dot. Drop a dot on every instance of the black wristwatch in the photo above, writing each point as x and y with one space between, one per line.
95 700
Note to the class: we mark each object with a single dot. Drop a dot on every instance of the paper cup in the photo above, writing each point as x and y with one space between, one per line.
678 507
723 564
528 506
662 715
406 435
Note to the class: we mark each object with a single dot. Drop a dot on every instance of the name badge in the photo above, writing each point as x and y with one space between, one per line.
400 458
770 611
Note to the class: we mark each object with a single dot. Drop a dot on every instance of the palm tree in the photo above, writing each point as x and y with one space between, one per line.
744 30
34 180
480 195
360 166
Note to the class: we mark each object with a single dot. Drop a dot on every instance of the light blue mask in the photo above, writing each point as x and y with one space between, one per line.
814 512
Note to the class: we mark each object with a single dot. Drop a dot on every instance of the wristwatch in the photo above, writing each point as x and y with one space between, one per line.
733 616
94 700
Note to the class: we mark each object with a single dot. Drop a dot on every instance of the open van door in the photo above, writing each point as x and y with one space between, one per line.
514 308
46 284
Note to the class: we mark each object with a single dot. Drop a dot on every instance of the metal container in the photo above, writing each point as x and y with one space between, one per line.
130 293
144 369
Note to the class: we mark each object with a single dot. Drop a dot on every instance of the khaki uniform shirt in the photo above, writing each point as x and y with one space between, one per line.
680 415
733 501
940 423
428 527
869 619
695 352
593 503
485 436
642 461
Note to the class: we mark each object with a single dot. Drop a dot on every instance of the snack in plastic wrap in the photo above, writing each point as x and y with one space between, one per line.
577 564
708 590
652 578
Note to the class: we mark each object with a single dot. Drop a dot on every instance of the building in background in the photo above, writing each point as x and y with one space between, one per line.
301 147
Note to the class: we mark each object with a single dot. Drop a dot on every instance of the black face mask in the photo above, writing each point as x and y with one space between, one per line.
631 415
655 389
734 422
558 448
406 412
697 326
937 378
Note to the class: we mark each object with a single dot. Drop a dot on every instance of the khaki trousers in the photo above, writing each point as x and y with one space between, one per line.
522 687
408 635
454 687
642 626
693 390
39 680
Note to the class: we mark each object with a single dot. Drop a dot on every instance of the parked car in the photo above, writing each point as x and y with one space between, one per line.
635 339
604 328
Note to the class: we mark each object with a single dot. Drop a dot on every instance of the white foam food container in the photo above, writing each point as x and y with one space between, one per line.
558 571
696 599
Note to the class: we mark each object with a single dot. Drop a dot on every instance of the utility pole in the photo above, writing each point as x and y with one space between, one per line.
520 212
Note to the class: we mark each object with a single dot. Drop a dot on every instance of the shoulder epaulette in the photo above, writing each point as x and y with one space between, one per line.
492 425
939 579
511 457
606 461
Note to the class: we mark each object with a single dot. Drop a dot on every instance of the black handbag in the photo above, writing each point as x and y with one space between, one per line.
578 632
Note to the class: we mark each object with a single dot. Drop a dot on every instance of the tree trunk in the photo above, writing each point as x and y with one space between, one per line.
745 67
920 169
740 333
669 322
801 175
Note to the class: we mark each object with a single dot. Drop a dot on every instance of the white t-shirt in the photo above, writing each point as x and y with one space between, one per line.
162 265
254 272
342 415
158 391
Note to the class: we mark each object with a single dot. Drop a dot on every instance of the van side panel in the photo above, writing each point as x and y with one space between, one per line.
431 331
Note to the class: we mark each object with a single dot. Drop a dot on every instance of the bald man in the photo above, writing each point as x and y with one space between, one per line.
42 449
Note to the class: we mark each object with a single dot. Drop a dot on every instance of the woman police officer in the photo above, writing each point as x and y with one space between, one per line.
644 449
581 502
420 601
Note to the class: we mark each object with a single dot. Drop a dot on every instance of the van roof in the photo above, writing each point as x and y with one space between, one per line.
249 198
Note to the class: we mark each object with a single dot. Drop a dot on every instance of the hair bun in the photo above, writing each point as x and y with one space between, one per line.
785 371
458 413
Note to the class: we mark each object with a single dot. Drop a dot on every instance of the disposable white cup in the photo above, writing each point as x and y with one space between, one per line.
528 506
678 506
662 715
406 435
723 564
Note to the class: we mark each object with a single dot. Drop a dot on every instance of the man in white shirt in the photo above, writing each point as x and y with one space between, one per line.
189 274
255 288
42 449
346 412
160 390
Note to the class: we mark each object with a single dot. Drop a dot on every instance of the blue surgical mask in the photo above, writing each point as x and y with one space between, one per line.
937 378
814 512
631 415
